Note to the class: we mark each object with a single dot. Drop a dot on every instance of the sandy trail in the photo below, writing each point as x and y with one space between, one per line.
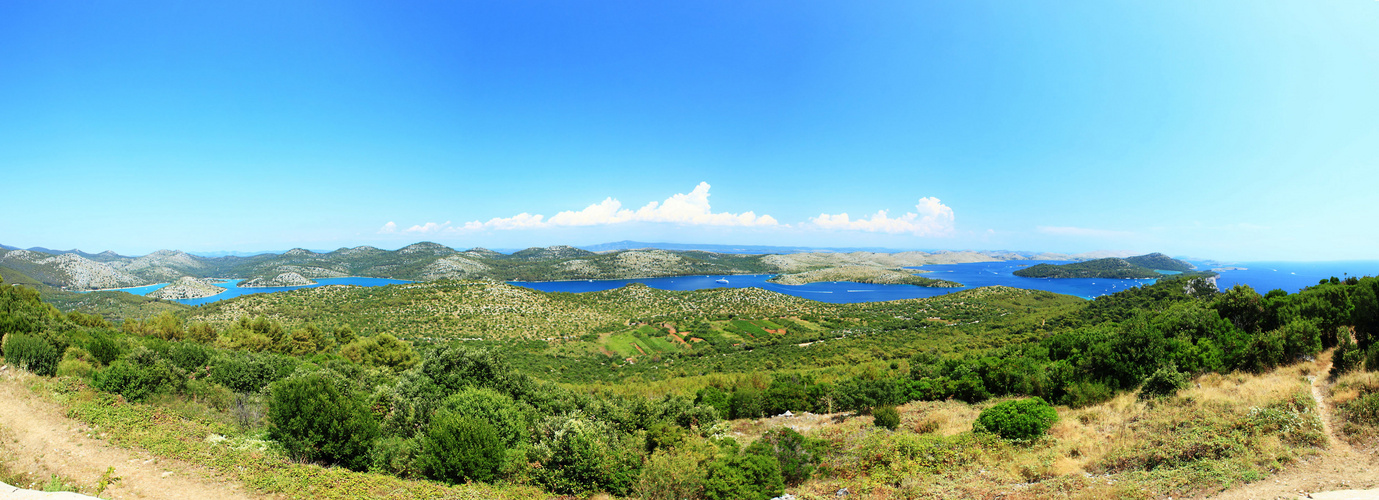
1340 467
36 437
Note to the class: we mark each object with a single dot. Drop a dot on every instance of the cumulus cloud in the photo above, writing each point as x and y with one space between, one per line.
683 208
930 218
1082 232
389 228
429 227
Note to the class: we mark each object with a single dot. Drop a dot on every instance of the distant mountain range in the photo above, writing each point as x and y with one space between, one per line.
426 261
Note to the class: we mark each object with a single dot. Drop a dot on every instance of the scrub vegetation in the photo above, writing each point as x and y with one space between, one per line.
481 389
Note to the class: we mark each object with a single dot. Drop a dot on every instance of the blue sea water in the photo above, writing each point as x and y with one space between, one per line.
231 290
970 275
1262 276
1292 276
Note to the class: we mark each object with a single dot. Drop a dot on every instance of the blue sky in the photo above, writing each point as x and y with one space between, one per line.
1236 130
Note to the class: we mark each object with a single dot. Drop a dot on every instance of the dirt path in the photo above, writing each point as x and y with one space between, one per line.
36 437
1340 467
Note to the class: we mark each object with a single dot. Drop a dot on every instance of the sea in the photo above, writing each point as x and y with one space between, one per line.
231 290
1262 276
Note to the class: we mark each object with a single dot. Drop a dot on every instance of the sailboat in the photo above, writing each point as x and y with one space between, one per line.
721 280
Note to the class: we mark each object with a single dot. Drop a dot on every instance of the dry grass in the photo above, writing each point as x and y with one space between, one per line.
1093 452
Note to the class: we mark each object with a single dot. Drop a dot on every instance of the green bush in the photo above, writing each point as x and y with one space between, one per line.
317 420
189 356
509 420
1166 381
249 372
396 456
1347 356
1018 420
796 456
1084 394
580 455
886 417
675 473
31 353
1372 358
1364 409
103 349
743 477
136 382
458 448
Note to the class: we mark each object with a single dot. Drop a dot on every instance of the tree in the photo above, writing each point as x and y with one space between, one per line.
458 448
315 419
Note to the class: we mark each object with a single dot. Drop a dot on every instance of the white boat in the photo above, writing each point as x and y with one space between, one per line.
721 280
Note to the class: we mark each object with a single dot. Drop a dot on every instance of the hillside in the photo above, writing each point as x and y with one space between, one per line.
427 261
1138 267
862 274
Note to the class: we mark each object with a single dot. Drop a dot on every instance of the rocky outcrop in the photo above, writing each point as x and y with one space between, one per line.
453 267
186 288
69 270
284 279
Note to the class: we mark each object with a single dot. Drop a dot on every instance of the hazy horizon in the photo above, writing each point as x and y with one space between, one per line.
1231 131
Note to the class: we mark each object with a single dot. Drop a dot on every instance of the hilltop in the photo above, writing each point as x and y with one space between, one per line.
1137 267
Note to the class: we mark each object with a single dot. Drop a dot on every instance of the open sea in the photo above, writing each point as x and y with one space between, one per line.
1262 276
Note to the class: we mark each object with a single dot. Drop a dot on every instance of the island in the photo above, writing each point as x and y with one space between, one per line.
281 280
1154 265
186 287
862 274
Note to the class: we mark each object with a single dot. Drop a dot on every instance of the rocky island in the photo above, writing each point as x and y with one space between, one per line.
284 279
862 274
186 287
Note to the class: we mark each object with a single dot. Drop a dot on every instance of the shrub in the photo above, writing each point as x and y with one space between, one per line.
317 420
1018 420
737 477
1364 409
189 356
796 456
74 367
136 382
394 455
459 448
1372 358
103 349
579 455
248 372
716 398
1084 394
31 353
1166 381
507 419
675 473
1347 356
886 417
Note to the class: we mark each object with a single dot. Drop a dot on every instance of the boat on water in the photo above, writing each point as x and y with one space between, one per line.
721 280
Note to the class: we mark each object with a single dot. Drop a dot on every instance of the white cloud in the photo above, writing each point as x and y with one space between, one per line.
389 228
1083 232
429 227
684 208
931 218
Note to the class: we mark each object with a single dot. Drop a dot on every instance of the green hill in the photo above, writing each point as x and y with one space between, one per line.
1138 267
1161 262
